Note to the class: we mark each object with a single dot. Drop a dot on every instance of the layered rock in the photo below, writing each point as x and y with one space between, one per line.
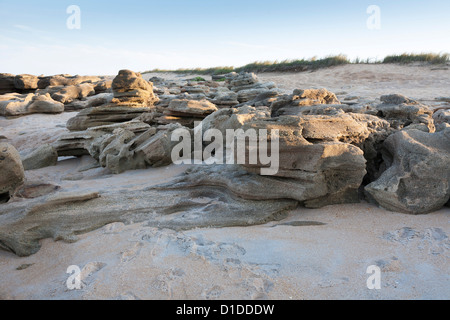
65 80
123 146
103 115
26 82
22 104
12 172
401 112
248 86
89 102
289 104
418 178
132 96
131 89
190 108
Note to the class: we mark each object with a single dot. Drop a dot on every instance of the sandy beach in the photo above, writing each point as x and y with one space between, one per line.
309 254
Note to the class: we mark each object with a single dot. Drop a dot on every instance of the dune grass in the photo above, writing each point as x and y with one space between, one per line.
311 64
406 58
266 66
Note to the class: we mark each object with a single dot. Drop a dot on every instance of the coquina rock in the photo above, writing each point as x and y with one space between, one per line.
41 157
417 180
315 173
65 80
190 108
103 115
7 83
22 104
288 104
123 146
130 89
11 169
401 112
132 96
26 82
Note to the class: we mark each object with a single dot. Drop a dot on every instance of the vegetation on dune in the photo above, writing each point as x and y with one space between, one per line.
311 64
405 58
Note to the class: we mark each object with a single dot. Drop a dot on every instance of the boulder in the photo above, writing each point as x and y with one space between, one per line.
190 108
131 89
69 94
316 173
41 157
23 104
288 104
417 180
123 146
12 173
401 112
65 80
442 116
7 83
26 82
89 102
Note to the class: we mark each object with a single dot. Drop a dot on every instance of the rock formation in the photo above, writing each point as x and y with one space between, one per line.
418 178
41 157
22 104
12 173
132 96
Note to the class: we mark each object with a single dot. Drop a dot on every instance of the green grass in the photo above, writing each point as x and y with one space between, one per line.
197 79
266 66
311 64
405 58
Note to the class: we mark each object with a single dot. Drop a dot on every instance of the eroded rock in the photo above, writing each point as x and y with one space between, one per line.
418 178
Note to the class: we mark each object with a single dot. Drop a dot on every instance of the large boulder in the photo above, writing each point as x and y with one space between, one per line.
131 89
418 178
12 172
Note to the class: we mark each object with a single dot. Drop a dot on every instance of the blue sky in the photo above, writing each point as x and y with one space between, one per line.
142 35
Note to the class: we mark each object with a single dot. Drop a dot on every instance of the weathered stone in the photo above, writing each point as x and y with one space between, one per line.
442 116
12 172
401 112
131 89
7 83
69 94
89 102
65 80
22 104
26 82
41 157
190 108
418 178
300 98
103 115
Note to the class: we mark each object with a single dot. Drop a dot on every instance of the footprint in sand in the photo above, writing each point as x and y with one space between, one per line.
131 253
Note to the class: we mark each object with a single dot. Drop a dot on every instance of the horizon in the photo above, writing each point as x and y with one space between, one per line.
36 38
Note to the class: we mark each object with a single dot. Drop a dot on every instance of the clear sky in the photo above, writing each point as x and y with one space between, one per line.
143 35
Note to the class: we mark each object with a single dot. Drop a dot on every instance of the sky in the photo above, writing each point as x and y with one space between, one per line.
171 34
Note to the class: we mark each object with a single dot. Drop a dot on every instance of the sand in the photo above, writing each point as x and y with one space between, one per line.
312 254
